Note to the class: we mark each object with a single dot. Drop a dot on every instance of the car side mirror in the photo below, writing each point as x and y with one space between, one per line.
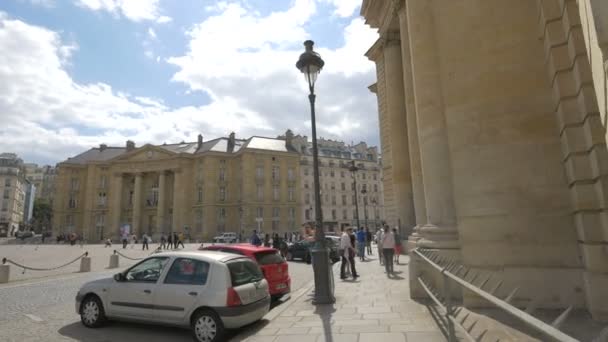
119 277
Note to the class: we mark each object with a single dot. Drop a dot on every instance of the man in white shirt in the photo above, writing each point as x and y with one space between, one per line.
388 249
379 244
348 254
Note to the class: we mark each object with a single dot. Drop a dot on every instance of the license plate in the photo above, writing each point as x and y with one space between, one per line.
281 286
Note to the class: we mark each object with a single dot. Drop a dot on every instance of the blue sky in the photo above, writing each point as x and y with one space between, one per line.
80 73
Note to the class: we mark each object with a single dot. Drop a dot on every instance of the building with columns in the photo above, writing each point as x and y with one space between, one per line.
200 188
493 129
337 183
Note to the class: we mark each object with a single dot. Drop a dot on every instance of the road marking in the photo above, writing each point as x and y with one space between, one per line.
34 318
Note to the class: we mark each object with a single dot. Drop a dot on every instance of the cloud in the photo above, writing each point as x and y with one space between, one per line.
344 8
135 10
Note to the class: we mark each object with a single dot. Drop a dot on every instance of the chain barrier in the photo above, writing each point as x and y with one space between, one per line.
5 260
127 257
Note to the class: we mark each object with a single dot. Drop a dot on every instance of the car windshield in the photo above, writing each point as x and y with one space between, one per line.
269 258
244 271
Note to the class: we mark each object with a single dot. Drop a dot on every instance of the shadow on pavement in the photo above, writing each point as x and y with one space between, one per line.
325 312
124 331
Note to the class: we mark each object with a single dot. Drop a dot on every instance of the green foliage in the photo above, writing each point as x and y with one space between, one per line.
42 215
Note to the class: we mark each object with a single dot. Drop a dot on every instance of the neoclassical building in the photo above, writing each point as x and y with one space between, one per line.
493 130
200 188
338 184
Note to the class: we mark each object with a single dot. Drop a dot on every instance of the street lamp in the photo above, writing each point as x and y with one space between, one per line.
310 64
364 192
375 204
353 170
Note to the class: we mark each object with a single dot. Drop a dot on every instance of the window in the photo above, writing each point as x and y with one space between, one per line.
259 172
307 198
260 212
306 185
7 182
375 187
331 173
342 174
222 193
101 199
344 214
187 272
222 174
333 186
290 193
276 213
72 202
290 174
375 176
333 199
365 200
352 186
305 171
307 214
343 187
69 222
343 199
260 192
5 206
364 175
199 196
354 200
333 214
275 193
147 271
6 193
269 258
275 173
244 271
74 184
364 187
131 197
221 219
102 182
199 220
292 213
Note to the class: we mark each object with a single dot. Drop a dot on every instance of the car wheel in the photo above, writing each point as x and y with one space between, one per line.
289 256
92 314
207 327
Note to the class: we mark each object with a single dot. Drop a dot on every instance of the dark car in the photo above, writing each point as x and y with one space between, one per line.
301 250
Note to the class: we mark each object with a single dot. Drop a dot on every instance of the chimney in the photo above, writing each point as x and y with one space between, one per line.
289 140
102 147
130 145
200 141
231 142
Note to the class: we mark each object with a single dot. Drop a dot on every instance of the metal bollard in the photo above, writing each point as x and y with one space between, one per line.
5 271
113 261
85 263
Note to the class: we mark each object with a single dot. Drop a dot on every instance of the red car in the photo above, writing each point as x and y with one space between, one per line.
273 265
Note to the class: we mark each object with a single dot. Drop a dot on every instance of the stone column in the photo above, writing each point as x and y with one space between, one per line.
160 210
116 203
398 131
178 195
412 130
137 203
440 229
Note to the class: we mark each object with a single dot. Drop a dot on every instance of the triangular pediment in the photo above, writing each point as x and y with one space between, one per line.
146 152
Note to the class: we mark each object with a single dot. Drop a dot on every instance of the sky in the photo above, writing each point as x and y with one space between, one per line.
78 73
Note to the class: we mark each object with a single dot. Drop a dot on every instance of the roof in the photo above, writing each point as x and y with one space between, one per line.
97 154
262 143
202 255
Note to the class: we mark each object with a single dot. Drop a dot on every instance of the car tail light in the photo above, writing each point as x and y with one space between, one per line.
233 298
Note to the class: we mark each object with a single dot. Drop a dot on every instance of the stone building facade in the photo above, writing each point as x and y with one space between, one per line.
201 189
337 183
43 178
493 130
13 186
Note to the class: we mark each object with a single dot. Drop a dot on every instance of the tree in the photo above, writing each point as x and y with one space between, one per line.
42 215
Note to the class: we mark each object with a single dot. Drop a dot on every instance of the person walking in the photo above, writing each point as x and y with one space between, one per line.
266 240
368 240
398 245
348 254
341 252
170 241
379 244
144 242
133 240
255 239
276 241
163 241
179 238
388 249
361 243
108 243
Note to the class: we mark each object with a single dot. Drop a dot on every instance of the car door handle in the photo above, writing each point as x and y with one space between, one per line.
193 293
147 291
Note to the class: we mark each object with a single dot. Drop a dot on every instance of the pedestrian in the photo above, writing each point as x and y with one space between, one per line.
163 241
361 243
379 245
266 240
179 238
108 243
284 248
170 241
398 245
368 240
388 249
144 242
276 241
255 239
125 241
341 252
133 240
348 254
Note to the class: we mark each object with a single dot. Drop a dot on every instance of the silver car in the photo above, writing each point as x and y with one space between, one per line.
206 291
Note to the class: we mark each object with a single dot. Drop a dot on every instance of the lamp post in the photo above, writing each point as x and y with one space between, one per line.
375 203
364 192
310 64
353 170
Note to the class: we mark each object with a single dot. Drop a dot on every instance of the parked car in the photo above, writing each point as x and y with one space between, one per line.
24 234
205 291
274 267
301 250
226 238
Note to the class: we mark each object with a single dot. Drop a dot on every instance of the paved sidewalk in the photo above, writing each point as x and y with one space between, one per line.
373 308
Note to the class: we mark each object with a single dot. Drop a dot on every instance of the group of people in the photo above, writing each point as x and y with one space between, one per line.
277 242
389 248
170 241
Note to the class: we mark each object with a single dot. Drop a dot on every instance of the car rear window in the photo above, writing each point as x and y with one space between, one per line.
244 272
269 258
